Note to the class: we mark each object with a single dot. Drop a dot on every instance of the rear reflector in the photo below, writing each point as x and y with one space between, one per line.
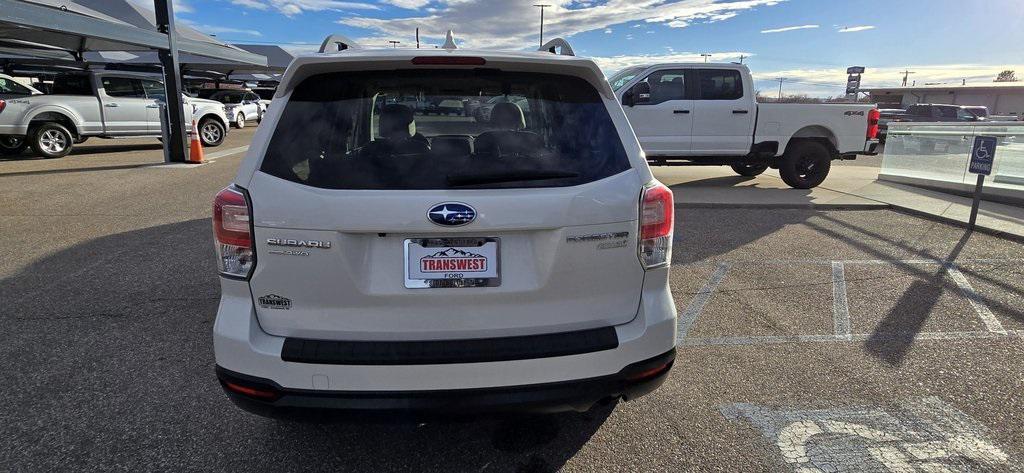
873 117
263 394
3 105
649 373
231 230
656 219
448 61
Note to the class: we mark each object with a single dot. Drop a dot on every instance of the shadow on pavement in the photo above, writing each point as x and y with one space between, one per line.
108 364
80 150
702 234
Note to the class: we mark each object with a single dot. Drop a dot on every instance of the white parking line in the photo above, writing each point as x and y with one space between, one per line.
987 317
840 303
700 300
227 152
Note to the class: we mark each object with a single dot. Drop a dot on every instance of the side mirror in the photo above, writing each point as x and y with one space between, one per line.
642 93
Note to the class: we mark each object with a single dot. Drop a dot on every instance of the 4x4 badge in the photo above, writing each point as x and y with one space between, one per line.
274 301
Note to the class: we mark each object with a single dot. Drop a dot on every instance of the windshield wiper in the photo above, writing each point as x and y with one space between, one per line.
508 176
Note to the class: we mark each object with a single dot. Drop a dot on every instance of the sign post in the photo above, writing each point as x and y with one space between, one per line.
983 154
853 81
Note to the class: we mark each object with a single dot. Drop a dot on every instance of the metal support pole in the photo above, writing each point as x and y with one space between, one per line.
176 139
977 201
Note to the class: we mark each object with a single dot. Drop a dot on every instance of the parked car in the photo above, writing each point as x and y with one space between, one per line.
706 114
240 106
266 95
370 265
886 115
931 112
10 88
445 106
102 104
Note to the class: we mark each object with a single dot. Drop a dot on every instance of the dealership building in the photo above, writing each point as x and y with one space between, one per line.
1001 98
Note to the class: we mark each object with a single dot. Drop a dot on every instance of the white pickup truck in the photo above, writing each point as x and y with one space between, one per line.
706 114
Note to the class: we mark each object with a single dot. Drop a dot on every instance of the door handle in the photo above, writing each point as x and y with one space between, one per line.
152 106
680 111
741 111
111 105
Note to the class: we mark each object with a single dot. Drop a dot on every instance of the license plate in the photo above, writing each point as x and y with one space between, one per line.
451 262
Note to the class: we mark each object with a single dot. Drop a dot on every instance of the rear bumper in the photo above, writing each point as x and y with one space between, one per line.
272 400
548 382
870 149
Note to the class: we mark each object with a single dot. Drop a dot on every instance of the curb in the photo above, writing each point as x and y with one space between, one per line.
880 206
809 206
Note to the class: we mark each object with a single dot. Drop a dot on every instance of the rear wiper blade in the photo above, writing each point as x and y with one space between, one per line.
508 176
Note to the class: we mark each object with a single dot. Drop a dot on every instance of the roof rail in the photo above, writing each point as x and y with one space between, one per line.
558 46
337 43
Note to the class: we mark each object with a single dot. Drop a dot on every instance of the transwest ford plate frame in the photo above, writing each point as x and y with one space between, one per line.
413 281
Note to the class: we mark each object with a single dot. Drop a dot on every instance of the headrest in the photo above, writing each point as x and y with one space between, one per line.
397 122
508 116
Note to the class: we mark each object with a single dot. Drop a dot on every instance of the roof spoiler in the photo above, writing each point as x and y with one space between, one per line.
558 46
337 43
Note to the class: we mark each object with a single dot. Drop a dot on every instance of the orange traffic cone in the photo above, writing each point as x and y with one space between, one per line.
195 149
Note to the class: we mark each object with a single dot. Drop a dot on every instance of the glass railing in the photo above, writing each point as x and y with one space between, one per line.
941 152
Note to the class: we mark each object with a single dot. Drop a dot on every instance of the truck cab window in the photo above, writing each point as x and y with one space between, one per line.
123 87
716 84
666 85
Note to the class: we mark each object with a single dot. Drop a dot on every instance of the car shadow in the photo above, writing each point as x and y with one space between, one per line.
107 349
84 150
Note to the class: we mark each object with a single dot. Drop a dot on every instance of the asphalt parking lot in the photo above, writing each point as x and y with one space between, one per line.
809 341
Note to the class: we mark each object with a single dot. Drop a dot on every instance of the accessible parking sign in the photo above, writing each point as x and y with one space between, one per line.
983 154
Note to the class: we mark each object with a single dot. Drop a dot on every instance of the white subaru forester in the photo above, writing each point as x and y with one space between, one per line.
376 259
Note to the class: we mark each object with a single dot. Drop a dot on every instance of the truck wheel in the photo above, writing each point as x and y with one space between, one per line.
211 132
805 165
749 170
12 145
51 140
240 121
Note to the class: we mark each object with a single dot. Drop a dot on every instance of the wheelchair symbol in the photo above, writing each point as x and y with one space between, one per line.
982 152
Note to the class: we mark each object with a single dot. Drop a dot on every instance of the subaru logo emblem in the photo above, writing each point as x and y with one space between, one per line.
451 214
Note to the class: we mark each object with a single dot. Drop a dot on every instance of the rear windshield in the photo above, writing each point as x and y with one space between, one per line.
437 129
72 84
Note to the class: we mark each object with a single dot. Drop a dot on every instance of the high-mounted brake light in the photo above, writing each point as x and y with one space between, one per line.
233 234
873 117
448 61
656 218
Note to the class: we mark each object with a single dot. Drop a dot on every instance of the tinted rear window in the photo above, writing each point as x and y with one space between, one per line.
436 129
72 84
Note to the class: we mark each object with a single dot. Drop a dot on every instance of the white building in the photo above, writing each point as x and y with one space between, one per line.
1001 98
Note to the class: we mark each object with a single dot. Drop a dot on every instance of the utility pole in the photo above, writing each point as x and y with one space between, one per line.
417 38
542 6
394 44
781 80
906 75
742 57
705 56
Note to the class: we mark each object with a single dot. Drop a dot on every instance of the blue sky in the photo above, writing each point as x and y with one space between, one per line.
942 40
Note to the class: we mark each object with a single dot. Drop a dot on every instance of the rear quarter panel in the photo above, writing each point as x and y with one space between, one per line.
83 111
844 124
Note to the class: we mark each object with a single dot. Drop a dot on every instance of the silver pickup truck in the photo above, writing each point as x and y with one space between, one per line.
104 104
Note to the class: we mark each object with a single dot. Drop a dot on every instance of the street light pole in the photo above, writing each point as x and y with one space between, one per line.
542 6
394 44
706 56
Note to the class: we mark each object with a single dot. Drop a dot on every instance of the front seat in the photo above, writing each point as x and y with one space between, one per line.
509 139
397 132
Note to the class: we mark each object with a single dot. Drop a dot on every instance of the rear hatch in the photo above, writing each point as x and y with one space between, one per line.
374 221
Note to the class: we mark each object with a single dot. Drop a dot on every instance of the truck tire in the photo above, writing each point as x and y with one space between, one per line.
805 164
12 145
51 140
749 170
211 132
240 121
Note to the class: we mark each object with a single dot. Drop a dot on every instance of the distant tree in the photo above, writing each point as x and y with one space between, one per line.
1006 76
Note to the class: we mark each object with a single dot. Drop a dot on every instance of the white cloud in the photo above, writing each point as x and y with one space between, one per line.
295 7
832 81
513 25
409 4
854 29
789 28
180 6
212 29
612 64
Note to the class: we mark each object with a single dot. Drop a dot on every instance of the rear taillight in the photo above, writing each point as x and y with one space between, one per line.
3 105
448 61
873 117
233 233
656 213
